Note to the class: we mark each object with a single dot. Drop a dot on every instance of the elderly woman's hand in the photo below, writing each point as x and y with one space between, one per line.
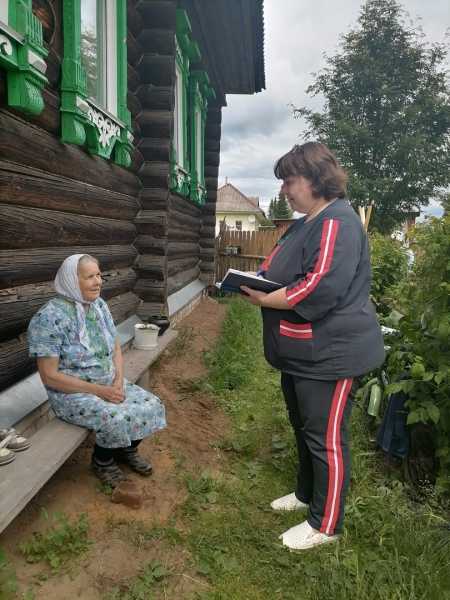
111 393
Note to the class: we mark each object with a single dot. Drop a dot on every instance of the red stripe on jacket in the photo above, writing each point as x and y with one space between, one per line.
268 260
311 281
334 456
302 331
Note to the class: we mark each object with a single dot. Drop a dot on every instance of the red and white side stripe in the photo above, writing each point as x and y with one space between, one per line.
311 281
334 456
268 260
301 331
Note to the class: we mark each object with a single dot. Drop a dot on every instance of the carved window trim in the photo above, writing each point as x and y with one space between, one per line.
22 55
192 92
84 122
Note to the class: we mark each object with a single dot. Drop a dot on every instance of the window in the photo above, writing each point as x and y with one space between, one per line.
192 91
94 87
99 51
238 225
4 9
22 55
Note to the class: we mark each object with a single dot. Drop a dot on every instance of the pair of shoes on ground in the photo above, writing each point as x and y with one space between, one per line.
303 536
11 442
111 474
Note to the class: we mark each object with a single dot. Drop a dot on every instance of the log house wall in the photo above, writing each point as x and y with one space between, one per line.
57 200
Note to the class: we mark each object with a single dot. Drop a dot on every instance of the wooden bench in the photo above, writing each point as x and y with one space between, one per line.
53 441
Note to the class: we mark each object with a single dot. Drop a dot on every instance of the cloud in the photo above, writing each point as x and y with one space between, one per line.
257 129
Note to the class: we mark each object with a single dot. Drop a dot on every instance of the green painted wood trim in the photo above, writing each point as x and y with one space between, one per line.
83 122
24 60
200 91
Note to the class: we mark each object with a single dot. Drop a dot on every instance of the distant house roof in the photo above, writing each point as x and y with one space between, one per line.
232 200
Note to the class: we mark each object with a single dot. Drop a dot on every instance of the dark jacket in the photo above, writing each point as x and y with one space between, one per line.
332 331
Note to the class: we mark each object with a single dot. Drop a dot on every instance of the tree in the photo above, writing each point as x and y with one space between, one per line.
279 208
386 113
283 210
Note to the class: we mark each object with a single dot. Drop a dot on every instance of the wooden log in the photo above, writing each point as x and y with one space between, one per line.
155 149
22 143
160 13
134 49
34 265
156 97
184 206
133 78
211 172
180 234
155 173
137 160
152 267
152 309
155 123
149 244
157 69
134 104
35 228
123 306
25 186
159 41
182 279
181 265
153 198
18 304
212 159
184 220
212 145
134 19
211 183
213 130
15 364
150 290
182 249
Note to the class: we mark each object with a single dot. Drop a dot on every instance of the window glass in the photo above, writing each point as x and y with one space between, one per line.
178 117
92 48
4 11
238 225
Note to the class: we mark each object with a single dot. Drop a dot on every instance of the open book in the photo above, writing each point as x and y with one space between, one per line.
234 279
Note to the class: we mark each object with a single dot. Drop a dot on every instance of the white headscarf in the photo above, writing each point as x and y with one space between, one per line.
67 285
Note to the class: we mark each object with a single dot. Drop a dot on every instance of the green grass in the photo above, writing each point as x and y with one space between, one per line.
60 543
391 549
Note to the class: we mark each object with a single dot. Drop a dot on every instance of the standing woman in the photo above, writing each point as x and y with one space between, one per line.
320 331
78 354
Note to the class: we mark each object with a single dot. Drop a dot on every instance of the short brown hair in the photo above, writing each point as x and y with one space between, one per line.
317 163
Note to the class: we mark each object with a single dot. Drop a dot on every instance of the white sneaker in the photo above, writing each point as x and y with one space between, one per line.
303 536
289 502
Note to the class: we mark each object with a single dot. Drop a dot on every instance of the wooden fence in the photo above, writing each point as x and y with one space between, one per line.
244 250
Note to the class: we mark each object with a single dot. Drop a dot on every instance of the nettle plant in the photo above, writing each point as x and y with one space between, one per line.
419 360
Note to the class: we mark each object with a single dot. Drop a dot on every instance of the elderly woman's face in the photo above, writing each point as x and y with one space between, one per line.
297 190
90 280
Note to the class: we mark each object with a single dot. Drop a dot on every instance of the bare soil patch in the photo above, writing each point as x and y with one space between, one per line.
195 423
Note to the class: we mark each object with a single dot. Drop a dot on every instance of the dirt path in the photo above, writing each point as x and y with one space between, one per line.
117 552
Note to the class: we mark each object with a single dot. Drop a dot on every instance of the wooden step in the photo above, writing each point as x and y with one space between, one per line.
52 445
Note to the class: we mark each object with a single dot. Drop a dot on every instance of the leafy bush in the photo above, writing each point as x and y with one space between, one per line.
421 354
389 265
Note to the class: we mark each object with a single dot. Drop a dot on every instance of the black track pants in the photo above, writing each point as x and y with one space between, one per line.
319 412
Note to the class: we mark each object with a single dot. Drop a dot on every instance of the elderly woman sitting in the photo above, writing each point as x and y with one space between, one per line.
80 363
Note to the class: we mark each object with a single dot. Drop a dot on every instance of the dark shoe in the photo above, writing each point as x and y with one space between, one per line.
108 474
135 462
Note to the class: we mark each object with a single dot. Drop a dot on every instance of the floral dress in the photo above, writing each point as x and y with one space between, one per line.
53 332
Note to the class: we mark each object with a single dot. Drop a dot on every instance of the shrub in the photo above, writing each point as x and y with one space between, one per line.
422 351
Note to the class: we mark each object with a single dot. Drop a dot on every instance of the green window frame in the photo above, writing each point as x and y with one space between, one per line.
192 91
200 92
22 55
102 124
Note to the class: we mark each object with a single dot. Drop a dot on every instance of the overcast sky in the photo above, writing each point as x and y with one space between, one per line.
257 129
